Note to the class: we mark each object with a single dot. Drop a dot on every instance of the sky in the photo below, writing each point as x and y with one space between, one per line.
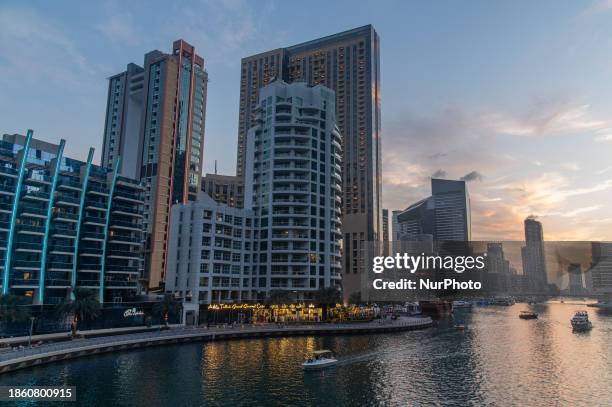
515 97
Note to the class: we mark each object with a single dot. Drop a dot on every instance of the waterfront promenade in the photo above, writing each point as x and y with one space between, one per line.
53 352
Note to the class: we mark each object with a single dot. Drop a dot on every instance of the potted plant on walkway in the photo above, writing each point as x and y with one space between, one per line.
84 306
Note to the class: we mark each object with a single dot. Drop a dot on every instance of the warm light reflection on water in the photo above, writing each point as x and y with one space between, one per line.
498 360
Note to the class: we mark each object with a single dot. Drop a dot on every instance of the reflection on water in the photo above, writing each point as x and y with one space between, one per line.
498 360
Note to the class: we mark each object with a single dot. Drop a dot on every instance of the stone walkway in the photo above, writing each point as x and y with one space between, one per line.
47 353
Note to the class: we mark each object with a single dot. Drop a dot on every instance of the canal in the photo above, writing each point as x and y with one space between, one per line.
499 360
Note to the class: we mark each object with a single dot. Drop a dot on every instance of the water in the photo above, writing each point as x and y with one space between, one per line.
500 360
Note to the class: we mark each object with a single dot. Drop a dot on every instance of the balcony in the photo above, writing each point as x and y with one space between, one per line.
33 211
31 229
117 224
129 197
36 195
92 236
8 172
26 264
38 179
69 184
28 247
29 283
63 230
64 199
97 190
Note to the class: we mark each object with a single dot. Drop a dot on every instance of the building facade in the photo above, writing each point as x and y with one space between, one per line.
576 283
348 63
445 215
601 268
210 255
534 255
66 223
225 189
155 122
293 184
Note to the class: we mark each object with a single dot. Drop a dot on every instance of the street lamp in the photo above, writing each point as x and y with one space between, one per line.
32 319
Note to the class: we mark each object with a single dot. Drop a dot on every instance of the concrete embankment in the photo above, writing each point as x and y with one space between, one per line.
55 352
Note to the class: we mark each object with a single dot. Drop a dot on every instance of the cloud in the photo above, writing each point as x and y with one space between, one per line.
599 6
224 31
120 29
603 138
545 117
439 174
472 176
518 182
34 49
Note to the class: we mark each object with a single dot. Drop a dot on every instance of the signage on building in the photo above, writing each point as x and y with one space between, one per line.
132 312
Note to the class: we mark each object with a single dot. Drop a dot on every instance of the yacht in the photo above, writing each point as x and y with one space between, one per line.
580 321
319 360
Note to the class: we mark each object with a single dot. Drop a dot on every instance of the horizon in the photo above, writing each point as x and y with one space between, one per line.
506 116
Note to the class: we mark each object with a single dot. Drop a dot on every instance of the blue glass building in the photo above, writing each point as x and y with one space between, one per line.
66 223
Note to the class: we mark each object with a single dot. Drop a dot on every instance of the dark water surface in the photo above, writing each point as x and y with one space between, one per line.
500 360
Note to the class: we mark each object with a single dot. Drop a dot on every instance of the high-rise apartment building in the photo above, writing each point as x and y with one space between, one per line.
348 63
66 223
225 189
288 235
155 122
210 255
534 256
293 184
601 268
575 283
387 228
445 215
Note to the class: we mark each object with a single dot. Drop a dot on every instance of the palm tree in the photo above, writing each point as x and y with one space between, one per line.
84 306
355 298
278 297
327 297
167 305
13 308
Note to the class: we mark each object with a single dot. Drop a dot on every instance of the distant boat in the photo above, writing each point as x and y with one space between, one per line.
319 360
505 301
602 305
580 321
528 315
462 304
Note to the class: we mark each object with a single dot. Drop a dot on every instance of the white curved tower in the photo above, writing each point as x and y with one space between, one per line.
294 185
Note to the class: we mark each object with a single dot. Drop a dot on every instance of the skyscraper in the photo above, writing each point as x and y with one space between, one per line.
348 63
155 121
601 268
293 184
533 254
576 284
445 215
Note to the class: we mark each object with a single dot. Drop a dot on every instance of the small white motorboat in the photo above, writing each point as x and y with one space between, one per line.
320 359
